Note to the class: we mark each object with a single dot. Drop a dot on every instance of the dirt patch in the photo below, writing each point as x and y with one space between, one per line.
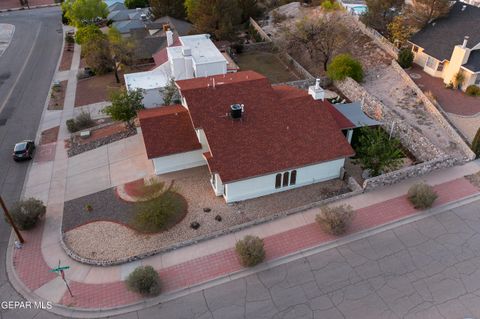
57 96
49 136
268 64
67 57
96 89
474 179
203 207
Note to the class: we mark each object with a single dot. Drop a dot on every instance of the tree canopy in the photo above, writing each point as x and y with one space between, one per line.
125 106
424 11
133 4
215 17
86 33
83 12
172 8
344 65
380 13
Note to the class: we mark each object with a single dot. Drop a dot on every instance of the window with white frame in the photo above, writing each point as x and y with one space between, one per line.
431 62
286 179
477 80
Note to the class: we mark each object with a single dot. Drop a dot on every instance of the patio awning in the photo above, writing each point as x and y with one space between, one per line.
353 112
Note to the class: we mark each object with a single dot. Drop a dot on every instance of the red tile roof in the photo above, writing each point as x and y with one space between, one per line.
167 130
275 133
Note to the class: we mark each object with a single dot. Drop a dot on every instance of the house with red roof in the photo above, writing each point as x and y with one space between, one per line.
255 138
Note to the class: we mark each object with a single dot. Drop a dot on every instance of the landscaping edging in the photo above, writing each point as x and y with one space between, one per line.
76 149
105 263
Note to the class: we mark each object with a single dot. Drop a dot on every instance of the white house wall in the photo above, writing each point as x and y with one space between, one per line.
177 162
152 98
264 185
208 69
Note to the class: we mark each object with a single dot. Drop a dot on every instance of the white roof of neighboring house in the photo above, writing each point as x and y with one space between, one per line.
202 48
156 78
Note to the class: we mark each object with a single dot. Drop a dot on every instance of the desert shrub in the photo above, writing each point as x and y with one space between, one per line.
473 90
250 250
149 189
476 143
69 38
342 66
421 195
84 120
458 79
144 280
159 213
335 220
26 213
405 58
331 5
71 126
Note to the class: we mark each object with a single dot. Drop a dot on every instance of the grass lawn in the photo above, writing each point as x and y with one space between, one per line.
268 64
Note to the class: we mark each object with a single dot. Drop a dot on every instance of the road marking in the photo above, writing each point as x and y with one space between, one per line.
21 71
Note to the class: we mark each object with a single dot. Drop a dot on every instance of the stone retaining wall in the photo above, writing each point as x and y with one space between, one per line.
415 142
258 46
439 116
260 31
411 171
291 62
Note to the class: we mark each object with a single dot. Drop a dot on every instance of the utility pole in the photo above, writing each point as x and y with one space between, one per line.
10 220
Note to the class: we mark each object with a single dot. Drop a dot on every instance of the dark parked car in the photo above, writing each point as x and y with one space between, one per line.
23 150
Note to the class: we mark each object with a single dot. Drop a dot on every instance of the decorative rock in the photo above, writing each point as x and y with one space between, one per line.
195 225
207 210
218 218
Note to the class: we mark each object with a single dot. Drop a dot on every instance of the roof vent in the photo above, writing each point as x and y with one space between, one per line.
464 7
186 51
236 111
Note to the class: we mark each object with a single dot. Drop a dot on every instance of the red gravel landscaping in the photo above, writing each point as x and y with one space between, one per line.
57 97
67 57
10 4
49 136
96 89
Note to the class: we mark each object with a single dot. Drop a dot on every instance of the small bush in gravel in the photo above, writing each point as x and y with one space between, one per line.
26 213
144 280
160 213
422 196
473 90
71 126
335 220
250 250
82 121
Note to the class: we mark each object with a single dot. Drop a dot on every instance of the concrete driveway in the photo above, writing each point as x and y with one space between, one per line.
107 166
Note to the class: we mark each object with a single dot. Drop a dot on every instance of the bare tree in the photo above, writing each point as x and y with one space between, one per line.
321 38
425 11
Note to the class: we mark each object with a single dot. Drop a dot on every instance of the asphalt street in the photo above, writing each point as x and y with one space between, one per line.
26 71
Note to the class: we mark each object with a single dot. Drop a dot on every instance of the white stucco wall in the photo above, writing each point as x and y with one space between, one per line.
264 185
152 98
208 69
177 162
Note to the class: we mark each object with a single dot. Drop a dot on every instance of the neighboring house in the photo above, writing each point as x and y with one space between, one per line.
115 6
125 20
255 138
450 45
185 58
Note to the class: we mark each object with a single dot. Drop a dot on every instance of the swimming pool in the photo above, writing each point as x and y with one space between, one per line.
359 10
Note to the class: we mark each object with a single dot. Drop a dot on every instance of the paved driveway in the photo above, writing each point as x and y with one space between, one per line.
427 269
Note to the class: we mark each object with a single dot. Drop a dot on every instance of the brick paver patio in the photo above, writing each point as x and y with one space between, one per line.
452 101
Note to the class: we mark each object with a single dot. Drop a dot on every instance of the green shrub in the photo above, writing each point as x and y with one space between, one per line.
405 58
144 280
342 66
335 220
26 213
86 33
250 250
476 143
422 196
473 90
159 213
330 5
71 126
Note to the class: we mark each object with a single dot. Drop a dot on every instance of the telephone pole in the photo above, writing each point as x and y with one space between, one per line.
10 220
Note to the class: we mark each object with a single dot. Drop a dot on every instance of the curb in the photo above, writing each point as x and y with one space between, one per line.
106 312
32 7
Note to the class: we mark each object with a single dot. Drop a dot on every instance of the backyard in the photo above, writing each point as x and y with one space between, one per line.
268 64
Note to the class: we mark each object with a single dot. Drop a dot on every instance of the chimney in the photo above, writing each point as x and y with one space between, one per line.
465 41
169 38
316 91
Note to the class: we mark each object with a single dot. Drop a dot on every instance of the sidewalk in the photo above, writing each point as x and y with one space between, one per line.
58 178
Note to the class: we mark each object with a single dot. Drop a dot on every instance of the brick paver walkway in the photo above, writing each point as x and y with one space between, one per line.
452 101
225 262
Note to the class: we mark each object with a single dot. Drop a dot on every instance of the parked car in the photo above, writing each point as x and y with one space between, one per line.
23 150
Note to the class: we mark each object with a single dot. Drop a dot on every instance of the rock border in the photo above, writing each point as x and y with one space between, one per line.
77 149
356 190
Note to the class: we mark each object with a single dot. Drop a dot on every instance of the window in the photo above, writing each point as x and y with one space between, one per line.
431 62
477 81
415 48
293 177
286 176
278 181
440 67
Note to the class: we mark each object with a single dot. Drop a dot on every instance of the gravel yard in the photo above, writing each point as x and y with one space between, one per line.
110 240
